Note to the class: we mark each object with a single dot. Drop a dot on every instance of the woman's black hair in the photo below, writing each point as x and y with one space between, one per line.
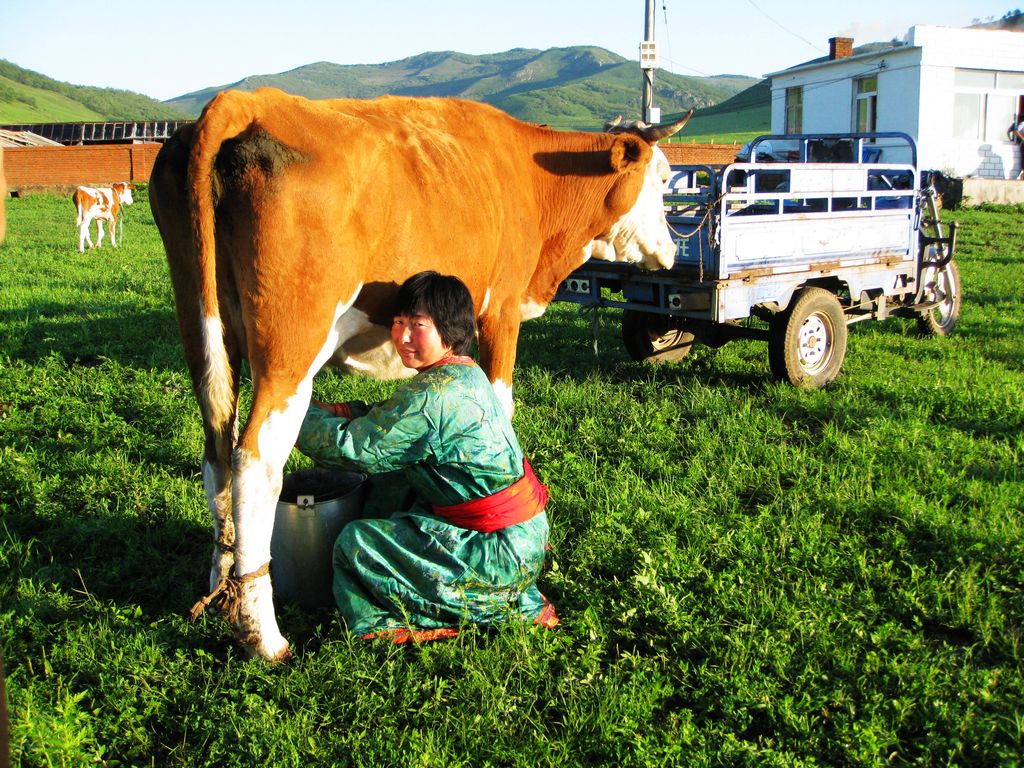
446 300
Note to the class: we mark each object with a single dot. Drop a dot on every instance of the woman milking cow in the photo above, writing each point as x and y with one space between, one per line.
465 540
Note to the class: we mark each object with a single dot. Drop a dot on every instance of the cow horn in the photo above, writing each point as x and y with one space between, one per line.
613 123
655 133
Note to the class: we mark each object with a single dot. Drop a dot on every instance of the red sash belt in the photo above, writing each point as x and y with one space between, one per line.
518 503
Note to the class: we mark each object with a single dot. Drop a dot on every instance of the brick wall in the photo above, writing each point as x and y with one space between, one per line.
41 167
36 167
3 196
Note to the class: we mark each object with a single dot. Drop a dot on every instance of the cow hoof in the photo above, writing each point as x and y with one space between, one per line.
257 649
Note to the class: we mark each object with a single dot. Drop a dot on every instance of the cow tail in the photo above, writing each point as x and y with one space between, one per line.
225 117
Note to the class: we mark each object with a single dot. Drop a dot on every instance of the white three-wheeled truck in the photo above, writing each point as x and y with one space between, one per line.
801 237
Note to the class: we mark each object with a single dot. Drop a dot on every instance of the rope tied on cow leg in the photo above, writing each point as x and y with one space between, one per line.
225 547
227 595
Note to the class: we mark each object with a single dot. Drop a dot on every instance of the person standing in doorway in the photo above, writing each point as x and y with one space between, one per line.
1017 134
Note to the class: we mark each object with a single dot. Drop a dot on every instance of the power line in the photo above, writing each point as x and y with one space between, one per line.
668 38
784 28
668 58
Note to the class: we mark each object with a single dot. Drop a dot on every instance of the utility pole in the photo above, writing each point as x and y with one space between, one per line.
648 63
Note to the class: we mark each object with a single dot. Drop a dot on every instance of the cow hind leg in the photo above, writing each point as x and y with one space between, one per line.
257 467
217 484
281 397
99 234
83 236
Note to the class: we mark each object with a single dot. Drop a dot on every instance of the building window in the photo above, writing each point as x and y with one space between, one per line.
794 109
866 105
986 103
967 112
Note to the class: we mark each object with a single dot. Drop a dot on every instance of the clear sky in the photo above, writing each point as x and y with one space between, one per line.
168 49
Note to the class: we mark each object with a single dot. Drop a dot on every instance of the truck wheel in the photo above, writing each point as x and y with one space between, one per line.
807 342
943 286
651 338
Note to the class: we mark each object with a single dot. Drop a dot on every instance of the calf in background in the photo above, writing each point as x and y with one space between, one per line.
101 204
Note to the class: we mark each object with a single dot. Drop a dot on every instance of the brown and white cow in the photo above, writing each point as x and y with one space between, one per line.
99 204
290 223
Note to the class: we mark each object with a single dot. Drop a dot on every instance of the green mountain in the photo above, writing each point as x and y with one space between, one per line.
29 97
579 87
739 118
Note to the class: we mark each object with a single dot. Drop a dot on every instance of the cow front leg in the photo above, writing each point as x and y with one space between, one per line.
113 232
499 334
257 467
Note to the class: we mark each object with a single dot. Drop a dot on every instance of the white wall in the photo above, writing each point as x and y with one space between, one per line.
944 50
916 93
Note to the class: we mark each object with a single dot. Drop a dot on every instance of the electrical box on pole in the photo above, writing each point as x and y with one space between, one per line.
648 54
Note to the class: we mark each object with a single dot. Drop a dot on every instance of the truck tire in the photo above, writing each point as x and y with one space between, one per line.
944 287
651 338
807 342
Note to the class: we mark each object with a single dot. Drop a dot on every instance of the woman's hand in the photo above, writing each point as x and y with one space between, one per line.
335 409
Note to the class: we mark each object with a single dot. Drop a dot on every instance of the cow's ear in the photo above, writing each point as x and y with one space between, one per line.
626 150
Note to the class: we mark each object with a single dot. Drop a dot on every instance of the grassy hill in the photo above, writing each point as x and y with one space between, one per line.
569 88
20 103
29 97
579 87
737 119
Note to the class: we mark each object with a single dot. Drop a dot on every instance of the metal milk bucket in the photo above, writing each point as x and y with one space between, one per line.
315 504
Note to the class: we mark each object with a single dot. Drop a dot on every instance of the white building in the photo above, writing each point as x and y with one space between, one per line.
955 91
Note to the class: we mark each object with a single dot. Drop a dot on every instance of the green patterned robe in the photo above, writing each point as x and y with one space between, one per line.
442 438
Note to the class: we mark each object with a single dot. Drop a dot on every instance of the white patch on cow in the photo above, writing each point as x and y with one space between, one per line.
217 397
642 234
486 303
365 348
530 309
598 249
256 492
504 394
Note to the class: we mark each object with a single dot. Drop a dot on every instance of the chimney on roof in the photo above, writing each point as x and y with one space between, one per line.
840 47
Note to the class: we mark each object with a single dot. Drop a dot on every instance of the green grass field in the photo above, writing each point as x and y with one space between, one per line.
748 574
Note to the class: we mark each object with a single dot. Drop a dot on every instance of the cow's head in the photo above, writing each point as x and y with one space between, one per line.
123 192
640 234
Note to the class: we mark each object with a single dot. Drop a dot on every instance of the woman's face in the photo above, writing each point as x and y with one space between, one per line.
417 341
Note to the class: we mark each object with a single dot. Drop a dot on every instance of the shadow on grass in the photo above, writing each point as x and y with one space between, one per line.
910 556
145 571
133 337
564 346
156 564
